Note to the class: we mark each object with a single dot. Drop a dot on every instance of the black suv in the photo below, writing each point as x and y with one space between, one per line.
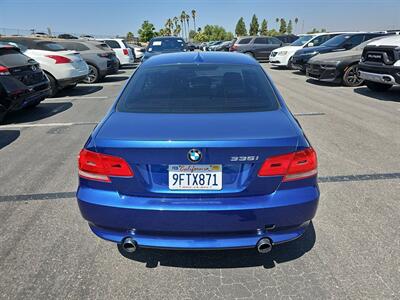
259 47
338 43
22 82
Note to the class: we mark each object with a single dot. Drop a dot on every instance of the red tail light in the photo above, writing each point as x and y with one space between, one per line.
4 70
293 166
233 48
125 51
98 166
59 59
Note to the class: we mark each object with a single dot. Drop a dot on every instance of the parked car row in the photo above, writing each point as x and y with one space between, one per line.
348 58
33 68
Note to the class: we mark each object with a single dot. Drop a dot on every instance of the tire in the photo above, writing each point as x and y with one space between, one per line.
93 75
378 87
350 77
53 85
249 54
290 64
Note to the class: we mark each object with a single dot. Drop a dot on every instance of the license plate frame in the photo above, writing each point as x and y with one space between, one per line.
195 177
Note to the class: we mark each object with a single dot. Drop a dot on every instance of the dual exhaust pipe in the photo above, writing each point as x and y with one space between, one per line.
263 246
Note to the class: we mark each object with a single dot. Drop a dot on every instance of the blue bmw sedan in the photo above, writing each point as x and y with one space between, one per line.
199 151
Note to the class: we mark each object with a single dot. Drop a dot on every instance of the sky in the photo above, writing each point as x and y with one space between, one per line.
120 16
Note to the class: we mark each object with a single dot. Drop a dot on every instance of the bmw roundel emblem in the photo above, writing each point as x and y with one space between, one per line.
194 155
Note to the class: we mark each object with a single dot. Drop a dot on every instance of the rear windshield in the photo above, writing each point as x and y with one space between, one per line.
194 88
12 58
165 45
50 46
103 46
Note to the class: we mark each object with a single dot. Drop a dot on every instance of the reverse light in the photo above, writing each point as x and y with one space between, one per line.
99 167
125 51
59 59
292 166
4 70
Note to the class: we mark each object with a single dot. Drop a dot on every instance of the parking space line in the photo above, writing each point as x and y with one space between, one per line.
326 179
78 97
304 114
28 125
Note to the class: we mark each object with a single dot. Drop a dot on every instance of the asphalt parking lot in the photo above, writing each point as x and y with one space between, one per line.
352 250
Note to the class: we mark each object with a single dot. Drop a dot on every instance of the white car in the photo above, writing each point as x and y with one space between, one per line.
64 68
138 50
281 57
122 50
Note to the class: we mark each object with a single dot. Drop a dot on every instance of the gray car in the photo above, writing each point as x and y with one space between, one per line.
259 47
99 56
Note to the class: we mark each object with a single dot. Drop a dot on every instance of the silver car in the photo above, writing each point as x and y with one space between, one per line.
100 58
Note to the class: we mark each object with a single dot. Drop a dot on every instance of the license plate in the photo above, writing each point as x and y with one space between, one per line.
195 177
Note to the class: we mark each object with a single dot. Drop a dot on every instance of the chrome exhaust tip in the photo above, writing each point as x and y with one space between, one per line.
264 245
129 245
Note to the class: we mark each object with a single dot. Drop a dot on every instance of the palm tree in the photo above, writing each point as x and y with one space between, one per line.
194 19
175 20
177 30
277 21
296 20
168 25
183 19
187 31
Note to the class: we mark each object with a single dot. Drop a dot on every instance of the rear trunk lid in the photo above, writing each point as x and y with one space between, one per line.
239 142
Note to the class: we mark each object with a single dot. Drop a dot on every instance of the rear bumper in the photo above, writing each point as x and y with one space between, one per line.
199 223
70 81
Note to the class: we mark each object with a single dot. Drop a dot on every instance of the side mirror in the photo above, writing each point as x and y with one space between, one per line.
310 44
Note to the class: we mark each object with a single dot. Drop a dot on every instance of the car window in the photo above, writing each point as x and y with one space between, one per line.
355 41
274 41
75 46
302 40
244 41
50 46
194 88
260 41
159 45
112 44
339 40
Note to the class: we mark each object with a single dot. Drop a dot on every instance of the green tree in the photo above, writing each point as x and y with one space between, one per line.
240 29
272 32
146 32
129 36
194 18
282 27
289 28
168 26
254 26
177 30
192 34
277 21
264 27
200 37
229 36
